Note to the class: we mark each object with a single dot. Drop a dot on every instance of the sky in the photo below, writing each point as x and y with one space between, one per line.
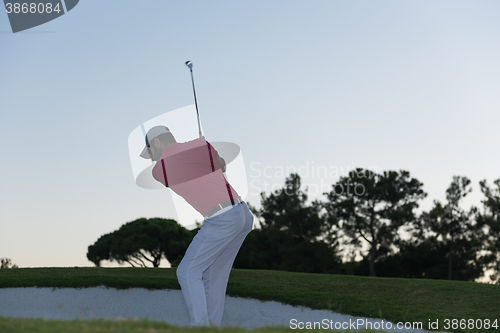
297 85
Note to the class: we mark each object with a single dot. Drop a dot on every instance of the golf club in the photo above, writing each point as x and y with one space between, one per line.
190 65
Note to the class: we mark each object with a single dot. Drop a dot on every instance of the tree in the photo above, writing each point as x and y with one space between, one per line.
101 250
286 210
372 207
457 231
291 234
414 259
491 219
6 263
142 241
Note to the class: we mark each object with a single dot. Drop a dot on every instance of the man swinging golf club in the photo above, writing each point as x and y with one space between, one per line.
194 170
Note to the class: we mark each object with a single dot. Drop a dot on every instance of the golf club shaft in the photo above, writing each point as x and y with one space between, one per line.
196 102
190 65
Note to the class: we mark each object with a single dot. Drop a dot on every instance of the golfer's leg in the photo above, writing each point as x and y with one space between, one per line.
189 274
216 276
206 246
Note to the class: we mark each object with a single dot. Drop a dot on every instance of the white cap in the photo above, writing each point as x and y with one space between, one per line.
150 135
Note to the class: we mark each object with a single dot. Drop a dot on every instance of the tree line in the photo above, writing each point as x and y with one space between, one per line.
377 211
365 213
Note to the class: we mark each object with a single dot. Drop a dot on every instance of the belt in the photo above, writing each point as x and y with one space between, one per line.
222 206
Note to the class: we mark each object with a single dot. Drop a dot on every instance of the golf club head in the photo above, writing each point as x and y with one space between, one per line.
189 64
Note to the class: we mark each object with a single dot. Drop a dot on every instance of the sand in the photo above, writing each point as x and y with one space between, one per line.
168 306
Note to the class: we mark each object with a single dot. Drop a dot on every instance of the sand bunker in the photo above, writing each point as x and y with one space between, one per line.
166 305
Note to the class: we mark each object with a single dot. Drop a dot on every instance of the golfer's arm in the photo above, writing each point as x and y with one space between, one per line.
221 163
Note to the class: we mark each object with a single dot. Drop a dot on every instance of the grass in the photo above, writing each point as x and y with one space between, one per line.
392 299
9 325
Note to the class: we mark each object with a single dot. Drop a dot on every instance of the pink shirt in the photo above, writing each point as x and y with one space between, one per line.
189 170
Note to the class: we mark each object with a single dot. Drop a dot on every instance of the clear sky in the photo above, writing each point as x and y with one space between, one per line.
390 85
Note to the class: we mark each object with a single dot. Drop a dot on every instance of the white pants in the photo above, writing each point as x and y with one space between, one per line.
204 271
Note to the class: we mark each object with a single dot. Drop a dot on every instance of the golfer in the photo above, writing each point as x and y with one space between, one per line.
194 170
